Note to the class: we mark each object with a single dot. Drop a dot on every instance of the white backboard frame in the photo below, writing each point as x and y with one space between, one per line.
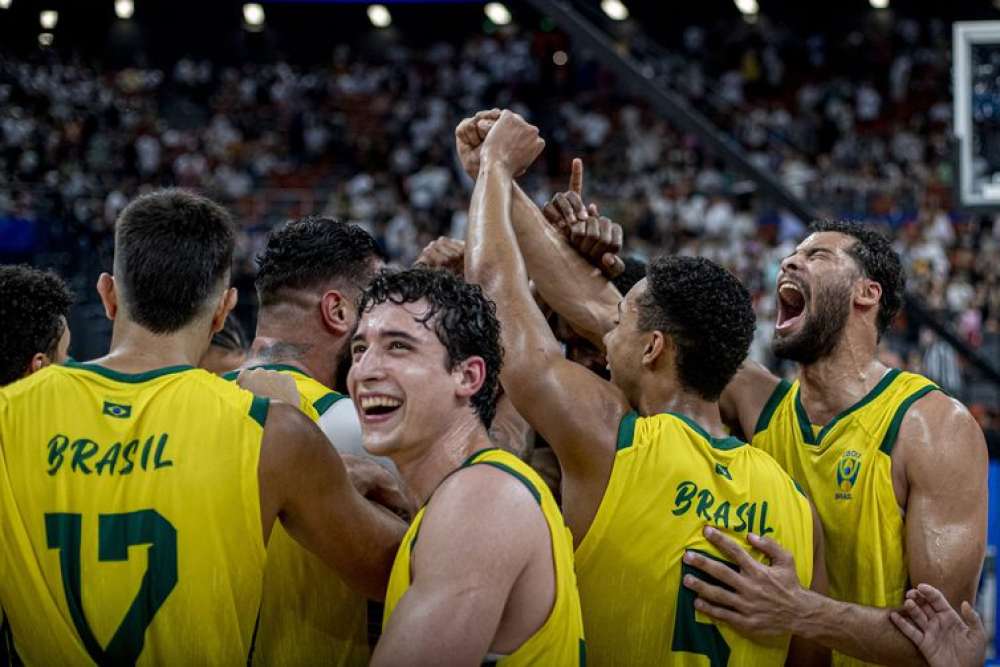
965 34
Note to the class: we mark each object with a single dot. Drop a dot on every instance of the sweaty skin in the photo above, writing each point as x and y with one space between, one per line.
938 462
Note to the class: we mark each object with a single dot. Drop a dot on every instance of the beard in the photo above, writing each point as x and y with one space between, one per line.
821 331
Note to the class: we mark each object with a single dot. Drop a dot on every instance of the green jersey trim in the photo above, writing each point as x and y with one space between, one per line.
805 425
326 401
132 378
889 439
724 444
232 375
258 409
626 430
771 406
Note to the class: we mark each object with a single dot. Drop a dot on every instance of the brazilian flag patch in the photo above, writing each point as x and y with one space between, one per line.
118 410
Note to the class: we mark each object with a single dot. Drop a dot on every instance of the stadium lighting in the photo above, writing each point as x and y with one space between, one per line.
4 4
879 4
124 9
45 39
560 58
253 15
615 9
497 12
747 7
48 18
379 16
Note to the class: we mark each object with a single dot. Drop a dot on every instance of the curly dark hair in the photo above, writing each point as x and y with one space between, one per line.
464 320
32 305
876 258
708 314
312 251
172 247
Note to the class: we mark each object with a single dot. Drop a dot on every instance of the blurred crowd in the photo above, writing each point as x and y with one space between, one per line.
858 126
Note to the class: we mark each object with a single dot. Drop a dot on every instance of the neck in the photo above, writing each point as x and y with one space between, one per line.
840 379
135 349
276 345
657 398
436 458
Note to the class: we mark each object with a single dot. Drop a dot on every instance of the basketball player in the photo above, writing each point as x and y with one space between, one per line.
309 277
645 459
896 468
34 306
485 571
138 492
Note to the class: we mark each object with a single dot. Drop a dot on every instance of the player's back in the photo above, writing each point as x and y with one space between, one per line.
131 523
669 480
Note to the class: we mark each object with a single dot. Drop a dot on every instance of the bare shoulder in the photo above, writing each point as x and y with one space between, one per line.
485 512
939 433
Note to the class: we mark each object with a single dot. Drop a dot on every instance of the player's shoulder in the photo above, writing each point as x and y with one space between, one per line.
935 418
487 485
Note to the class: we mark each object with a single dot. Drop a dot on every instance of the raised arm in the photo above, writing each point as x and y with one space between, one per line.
304 484
570 284
480 532
574 410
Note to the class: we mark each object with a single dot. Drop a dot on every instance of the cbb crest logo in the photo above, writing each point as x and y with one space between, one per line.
847 473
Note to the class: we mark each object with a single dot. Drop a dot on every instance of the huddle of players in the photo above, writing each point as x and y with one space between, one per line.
676 543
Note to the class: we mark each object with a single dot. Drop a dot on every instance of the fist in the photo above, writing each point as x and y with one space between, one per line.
444 253
513 143
469 137
270 384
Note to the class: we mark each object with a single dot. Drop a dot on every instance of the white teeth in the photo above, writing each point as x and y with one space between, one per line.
369 402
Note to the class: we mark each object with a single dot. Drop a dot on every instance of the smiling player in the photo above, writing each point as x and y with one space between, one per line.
486 569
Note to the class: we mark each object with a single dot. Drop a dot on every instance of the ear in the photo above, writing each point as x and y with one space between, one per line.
867 293
222 310
657 347
37 363
336 310
109 296
470 373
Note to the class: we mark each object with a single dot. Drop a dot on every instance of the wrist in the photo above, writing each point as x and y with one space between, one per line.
492 161
808 617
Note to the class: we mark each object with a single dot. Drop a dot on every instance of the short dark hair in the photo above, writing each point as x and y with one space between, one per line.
32 305
463 318
635 270
310 252
875 256
172 247
708 314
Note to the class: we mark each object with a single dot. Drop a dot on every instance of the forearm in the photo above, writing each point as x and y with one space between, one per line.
863 632
572 286
493 260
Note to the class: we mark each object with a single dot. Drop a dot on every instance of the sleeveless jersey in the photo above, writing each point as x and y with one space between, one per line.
669 480
559 642
308 614
130 524
846 469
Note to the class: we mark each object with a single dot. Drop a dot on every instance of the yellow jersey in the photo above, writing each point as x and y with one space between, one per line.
669 480
308 614
559 642
131 522
846 468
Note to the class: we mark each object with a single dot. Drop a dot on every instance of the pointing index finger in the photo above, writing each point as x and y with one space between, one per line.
576 177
